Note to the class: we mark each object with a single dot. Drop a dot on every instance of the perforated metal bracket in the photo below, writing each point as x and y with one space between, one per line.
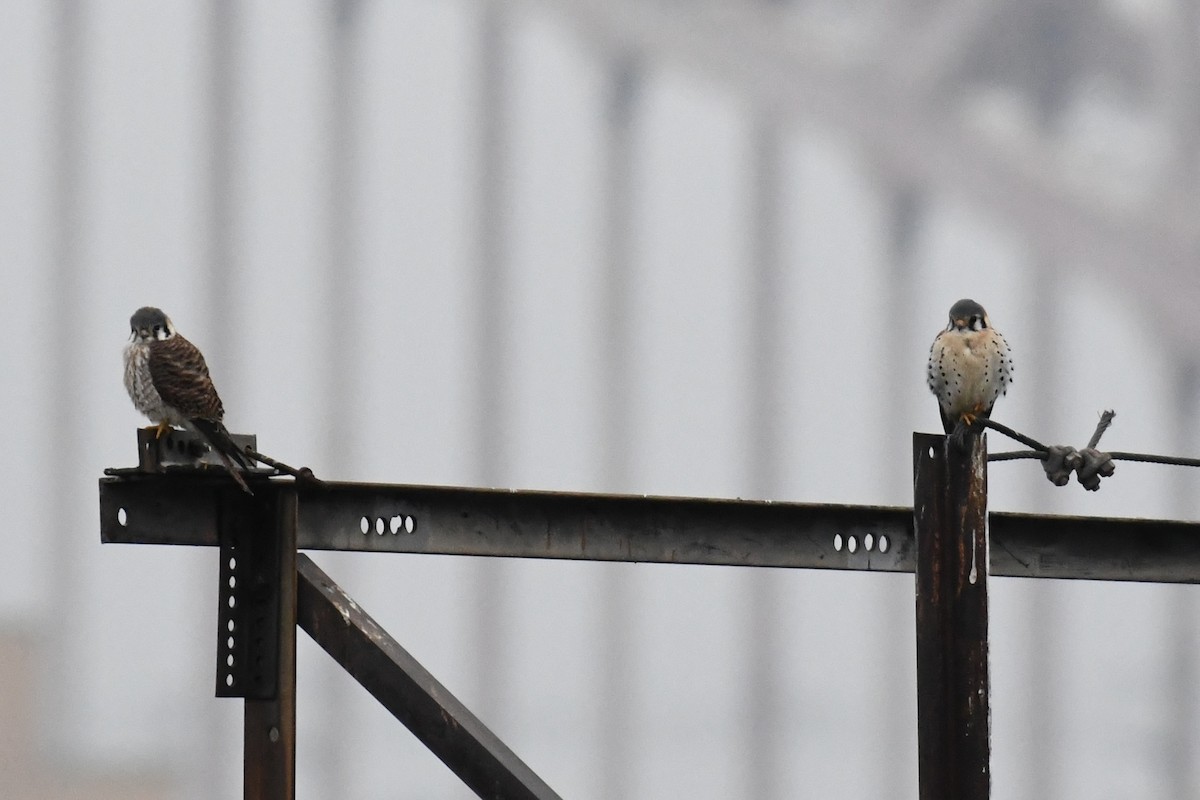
249 591
182 448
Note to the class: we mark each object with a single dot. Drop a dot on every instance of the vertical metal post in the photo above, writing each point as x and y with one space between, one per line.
950 520
269 770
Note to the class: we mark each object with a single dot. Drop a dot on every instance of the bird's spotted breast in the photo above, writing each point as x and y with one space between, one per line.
968 371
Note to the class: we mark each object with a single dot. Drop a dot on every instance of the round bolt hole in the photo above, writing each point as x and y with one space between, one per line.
232 582
837 542
932 453
230 626
229 660
364 525
396 524
868 542
233 563
229 680
884 544
852 544
410 524
232 602
380 526
229 642
122 517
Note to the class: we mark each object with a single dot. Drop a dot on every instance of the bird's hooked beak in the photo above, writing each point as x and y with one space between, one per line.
961 324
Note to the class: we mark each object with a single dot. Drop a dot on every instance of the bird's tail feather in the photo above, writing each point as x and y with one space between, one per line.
223 444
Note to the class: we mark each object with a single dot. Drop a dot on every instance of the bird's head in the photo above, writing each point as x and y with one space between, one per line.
967 315
149 324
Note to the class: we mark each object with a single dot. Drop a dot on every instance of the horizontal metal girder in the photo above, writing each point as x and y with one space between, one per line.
183 509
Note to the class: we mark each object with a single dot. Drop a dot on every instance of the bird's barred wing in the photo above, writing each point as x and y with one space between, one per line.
935 369
1005 367
181 379
998 372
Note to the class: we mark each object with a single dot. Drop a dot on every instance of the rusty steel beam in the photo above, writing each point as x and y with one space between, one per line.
182 508
953 736
269 769
410 692
489 522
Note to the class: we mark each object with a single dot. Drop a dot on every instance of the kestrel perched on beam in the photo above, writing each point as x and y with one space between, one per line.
969 366
168 381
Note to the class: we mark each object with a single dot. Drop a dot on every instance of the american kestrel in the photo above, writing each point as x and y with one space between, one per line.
168 381
969 366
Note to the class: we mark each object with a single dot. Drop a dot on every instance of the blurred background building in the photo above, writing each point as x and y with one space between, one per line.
601 245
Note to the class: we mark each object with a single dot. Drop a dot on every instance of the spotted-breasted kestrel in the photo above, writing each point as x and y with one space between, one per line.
168 381
969 366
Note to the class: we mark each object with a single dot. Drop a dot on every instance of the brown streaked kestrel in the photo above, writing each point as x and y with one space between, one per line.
969 366
168 381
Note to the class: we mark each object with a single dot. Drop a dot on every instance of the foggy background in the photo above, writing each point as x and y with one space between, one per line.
694 248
